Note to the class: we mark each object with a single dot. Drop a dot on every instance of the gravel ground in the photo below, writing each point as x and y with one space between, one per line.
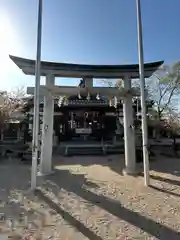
88 198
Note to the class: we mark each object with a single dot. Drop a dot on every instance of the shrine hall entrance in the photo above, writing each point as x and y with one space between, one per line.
85 119
86 125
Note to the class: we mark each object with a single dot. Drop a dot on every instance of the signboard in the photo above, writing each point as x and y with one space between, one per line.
83 130
87 102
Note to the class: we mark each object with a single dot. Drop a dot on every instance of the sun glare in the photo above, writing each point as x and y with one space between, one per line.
6 35
8 43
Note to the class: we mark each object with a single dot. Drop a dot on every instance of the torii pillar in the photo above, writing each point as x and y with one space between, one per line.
47 130
129 131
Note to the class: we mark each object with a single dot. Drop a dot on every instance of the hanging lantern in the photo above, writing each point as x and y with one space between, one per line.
98 97
110 103
79 96
60 101
65 101
88 97
115 101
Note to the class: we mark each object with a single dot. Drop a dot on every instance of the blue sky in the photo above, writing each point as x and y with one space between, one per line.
86 31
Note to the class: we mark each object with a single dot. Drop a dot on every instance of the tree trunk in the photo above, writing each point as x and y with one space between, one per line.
158 128
175 146
2 135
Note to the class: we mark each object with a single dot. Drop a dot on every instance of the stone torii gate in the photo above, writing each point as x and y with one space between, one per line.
51 70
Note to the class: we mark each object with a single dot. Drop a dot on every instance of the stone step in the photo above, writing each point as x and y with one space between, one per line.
89 150
83 151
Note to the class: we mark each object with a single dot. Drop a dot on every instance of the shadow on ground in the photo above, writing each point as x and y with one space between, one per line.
166 172
168 192
67 217
15 210
166 165
63 178
11 188
15 178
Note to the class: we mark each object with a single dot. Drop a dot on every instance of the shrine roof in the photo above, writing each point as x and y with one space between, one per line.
84 70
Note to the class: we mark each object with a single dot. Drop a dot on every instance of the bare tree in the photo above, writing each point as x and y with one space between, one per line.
18 93
10 102
163 88
4 112
172 127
